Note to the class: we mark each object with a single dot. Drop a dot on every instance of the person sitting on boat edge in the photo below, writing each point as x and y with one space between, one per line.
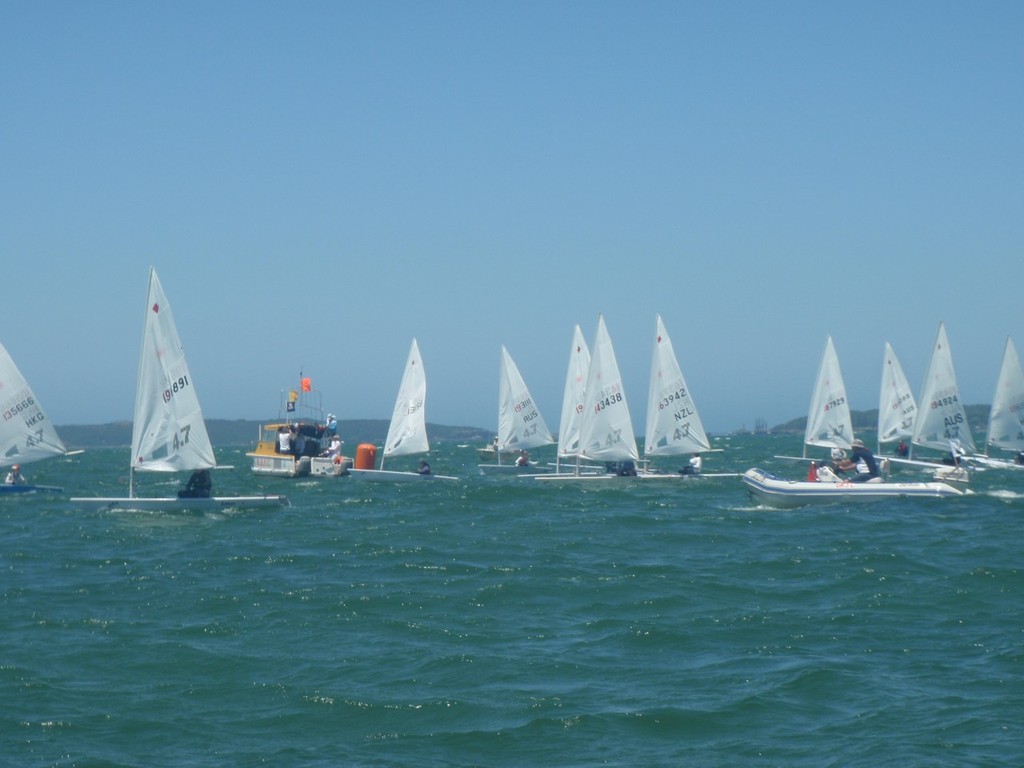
523 460
956 453
14 477
198 486
334 449
693 467
860 453
424 468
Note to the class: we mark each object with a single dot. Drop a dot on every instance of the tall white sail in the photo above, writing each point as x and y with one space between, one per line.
572 398
1006 420
940 415
673 426
606 433
520 424
896 407
407 432
829 423
169 433
26 435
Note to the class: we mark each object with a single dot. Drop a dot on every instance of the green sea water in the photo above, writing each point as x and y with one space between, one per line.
510 623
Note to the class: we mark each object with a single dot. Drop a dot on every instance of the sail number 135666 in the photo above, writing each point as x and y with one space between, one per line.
17 408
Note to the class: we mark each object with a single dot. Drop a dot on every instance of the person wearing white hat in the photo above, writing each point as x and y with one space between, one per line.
860 453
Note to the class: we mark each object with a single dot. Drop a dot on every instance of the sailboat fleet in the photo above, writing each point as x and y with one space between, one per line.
595 439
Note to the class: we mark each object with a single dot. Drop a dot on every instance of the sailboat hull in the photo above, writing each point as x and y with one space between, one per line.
394 476
777 492
174 504
512 470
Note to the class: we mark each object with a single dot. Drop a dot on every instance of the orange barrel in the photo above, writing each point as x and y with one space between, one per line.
366 456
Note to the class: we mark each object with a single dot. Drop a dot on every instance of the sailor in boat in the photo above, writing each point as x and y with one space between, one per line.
284 440
627 469
331 425
298 441
956 453
198 486
837 460
14 477
523 460
862 461
1019 458
334 449
692 467
424 468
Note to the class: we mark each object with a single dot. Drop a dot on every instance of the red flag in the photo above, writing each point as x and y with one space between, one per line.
307 385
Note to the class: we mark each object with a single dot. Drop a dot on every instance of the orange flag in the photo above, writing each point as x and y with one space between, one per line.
307 385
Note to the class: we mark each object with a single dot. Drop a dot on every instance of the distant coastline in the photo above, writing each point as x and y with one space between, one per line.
243 432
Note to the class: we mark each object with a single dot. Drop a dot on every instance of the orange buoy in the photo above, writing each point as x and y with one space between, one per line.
366 456
812 473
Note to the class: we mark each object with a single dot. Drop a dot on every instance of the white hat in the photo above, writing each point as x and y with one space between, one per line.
838 453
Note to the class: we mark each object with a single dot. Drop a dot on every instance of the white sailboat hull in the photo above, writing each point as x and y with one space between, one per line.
512 470
686 477
569 478
175 504
778 492
394 476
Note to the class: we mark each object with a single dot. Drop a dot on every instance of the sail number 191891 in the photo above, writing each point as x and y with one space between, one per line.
176 387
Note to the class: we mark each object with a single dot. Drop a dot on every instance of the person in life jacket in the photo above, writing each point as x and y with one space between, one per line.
14 477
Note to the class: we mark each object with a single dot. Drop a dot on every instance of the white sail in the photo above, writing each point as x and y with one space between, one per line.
673 425
407 432
572 399
169 432
896 407
1006 420
829 423
520 424
940 415
26 435
606 432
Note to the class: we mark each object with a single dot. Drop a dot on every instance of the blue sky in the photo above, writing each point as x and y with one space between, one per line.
317 183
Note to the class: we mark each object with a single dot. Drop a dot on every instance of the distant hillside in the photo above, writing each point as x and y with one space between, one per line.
867 421
243 433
